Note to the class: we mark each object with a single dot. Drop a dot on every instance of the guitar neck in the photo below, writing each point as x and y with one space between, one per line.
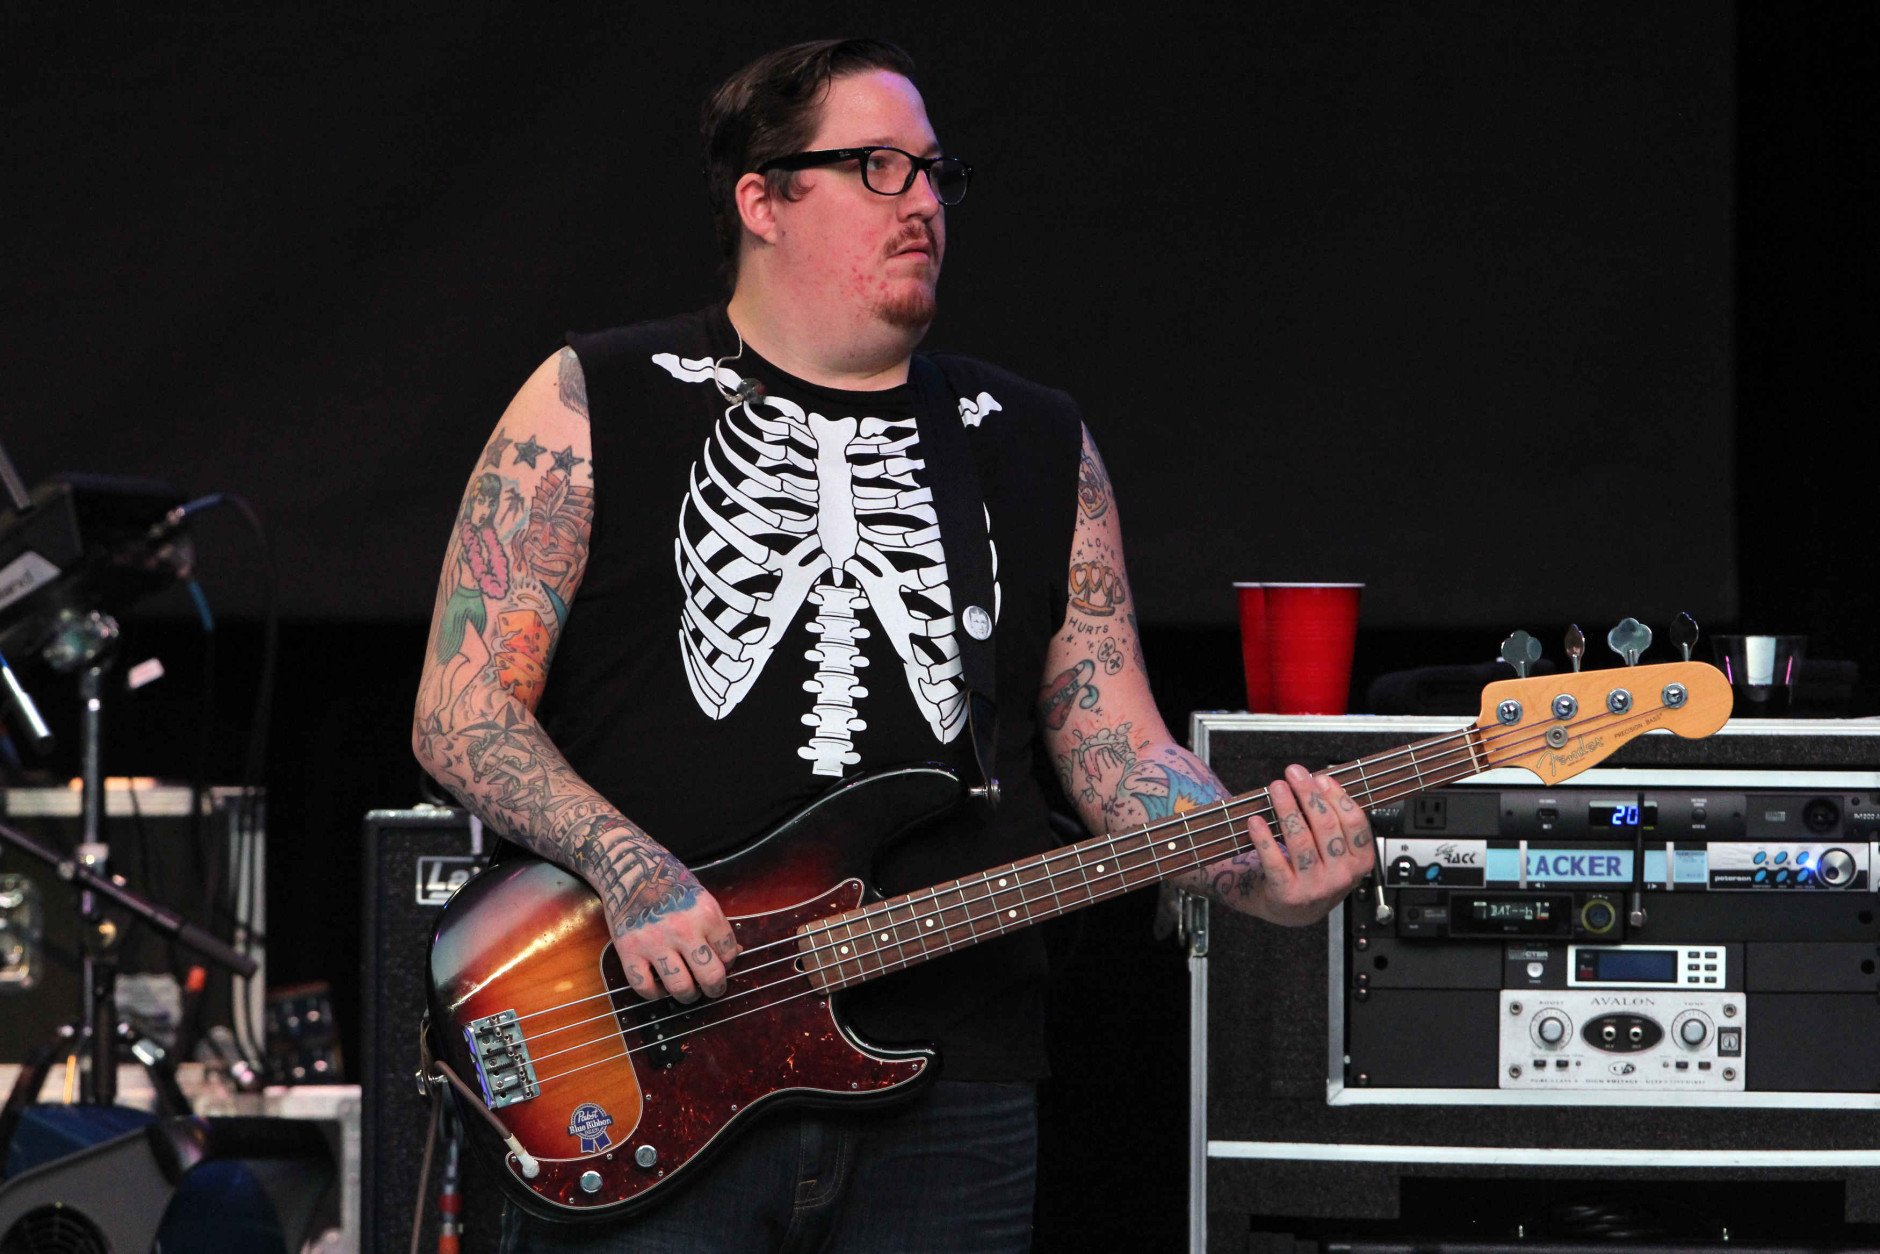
886 936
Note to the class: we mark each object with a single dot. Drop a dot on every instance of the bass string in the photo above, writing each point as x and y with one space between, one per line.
1225 806
629 1051
787 959
1231 821
1095 889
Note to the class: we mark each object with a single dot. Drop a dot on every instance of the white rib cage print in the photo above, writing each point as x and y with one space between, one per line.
785 507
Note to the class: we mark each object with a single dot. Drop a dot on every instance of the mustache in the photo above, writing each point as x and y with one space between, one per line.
919 233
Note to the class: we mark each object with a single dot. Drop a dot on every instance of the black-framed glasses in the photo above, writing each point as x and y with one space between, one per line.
887 171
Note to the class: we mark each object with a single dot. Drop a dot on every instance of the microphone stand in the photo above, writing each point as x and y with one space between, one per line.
89 642
98 1027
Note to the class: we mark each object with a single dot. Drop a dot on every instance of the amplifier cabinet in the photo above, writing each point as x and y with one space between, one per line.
415 860
1662 968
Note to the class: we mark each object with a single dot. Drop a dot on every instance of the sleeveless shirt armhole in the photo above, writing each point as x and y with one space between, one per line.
575 340
1067 524
1056 451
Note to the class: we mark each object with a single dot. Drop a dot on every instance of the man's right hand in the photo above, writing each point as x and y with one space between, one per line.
671 935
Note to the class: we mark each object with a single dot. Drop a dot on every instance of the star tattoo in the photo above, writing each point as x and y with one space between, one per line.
566 461
527 452
493 455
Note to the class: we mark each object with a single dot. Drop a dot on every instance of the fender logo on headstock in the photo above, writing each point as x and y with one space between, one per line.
1583 748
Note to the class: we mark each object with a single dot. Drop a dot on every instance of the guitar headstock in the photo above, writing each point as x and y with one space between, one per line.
1559 725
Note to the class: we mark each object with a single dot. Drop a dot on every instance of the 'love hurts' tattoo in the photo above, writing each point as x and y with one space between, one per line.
1096 589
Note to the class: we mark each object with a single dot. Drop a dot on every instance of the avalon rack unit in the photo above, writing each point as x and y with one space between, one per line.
1661 969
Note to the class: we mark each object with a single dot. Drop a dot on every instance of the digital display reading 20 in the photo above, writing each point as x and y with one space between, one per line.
1627 816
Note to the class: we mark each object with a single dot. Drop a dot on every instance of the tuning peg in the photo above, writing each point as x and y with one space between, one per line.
1521 651
1576 644
1629 639
1684 634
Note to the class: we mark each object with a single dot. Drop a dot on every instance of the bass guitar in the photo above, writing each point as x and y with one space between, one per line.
596 1103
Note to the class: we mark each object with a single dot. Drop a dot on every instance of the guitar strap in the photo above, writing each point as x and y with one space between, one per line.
965 536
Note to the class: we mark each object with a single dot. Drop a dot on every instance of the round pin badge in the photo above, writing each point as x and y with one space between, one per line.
978 622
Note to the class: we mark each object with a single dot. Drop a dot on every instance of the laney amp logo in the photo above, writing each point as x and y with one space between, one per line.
589 1123
439 878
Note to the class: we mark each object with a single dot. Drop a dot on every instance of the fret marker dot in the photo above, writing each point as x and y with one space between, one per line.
930 923
1170 845
1011 914
845 949
883 936
1001 883
1099 866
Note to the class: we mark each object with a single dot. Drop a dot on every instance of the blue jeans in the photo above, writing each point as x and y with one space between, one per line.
952 1173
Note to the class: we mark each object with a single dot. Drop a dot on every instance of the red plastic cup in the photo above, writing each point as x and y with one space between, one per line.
1311 630
1253 650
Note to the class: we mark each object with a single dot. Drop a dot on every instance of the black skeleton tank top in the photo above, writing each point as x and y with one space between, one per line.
765 612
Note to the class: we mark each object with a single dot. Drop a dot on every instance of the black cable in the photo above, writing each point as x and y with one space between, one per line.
247 821
207 864
424 1170
148 885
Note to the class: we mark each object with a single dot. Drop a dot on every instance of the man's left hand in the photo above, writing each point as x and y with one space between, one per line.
1323 848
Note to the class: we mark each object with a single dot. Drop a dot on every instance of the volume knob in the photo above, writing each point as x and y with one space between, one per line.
1693 1033
1835 867
1552 1029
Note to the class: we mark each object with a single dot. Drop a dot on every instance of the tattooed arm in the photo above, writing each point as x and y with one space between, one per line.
516 556
1121 768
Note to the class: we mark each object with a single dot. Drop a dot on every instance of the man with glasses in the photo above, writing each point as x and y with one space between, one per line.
725 529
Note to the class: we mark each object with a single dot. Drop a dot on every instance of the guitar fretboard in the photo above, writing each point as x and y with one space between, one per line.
847 949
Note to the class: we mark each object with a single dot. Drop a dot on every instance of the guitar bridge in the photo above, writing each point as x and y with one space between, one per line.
502 1060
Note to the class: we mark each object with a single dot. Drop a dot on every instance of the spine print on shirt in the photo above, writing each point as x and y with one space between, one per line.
785 508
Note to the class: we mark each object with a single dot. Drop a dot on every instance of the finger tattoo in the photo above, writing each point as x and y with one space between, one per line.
702 954
726 947
1361 837
1317 803
636 977
1305 859
666 967
1293 824
1335 847
1344 801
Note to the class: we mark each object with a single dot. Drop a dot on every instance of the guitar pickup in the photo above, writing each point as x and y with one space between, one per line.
670 1019
502 1060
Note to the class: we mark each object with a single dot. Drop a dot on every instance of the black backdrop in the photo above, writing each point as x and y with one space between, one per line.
1518 314
1421 295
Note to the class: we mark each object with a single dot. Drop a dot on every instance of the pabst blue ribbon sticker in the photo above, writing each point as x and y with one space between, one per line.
590 1123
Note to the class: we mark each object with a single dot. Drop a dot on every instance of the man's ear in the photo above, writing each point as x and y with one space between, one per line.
756 207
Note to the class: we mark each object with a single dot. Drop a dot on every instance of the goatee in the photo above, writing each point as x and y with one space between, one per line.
912 310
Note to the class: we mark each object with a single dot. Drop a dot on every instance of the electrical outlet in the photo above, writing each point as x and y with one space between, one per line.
1429 814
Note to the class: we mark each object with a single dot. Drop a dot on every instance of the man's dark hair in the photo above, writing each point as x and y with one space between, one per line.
771 108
